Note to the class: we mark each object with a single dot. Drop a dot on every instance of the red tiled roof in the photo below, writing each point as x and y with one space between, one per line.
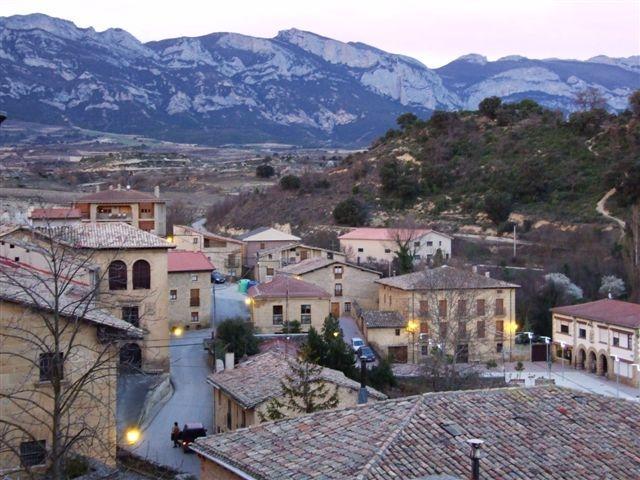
184 261
285 286
119 196
367 233
54 213
615 312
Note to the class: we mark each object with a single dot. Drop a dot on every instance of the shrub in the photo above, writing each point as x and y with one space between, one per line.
236 335
265 171
489 107
290 182
292 327
322 183
497 206
350 212
491 364
381 376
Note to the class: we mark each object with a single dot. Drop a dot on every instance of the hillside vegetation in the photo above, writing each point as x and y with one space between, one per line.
466 168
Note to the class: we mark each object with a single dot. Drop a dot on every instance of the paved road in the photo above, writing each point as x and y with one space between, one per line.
229 302
350 330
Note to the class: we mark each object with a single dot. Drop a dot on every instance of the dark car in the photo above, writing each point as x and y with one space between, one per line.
367 353
217 277
189 433
523 339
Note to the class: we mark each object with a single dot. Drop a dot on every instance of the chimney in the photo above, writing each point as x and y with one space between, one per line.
219 365
97 188
156 191
475 455
487 274
474 269
363 394
229 359
119 187
110 187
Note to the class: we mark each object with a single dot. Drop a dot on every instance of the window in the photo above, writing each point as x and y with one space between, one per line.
417 257
337 290
173 294
51 365
131 315
443 330
33 453
424 307
499 327
305 314
347 307
387 250
397 332
330 255
424 349
499 306
360 250
462 308
582 332
480 329
145 210
194 277
228 414
16 259
462 329
440 243
117 275
498 347
195 318
615 340
207 243
429 243
564 328
194 297
141 275
424 327
11 245
622 340
277 314
195 240
442 308
270 271
337 272
262 246
416 244
480 307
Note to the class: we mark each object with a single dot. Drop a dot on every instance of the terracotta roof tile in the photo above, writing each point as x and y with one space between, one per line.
267 234
444 278
311 264
383 319
107 236
615 312
543 433
258 379
284 285
383 234
119 196
54 213
185 261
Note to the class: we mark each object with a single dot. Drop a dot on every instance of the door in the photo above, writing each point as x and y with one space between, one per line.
335 309
462 353
303 255
539 352
398 354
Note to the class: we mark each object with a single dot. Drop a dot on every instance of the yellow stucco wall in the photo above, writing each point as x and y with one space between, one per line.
262 312
95 407
180 309
186 239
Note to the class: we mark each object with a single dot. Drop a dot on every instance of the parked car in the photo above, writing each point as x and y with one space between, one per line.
189 433
367 353
217 277
356 343
523 339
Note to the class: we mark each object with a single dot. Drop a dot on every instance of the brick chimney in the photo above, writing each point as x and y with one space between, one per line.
156 191
229 360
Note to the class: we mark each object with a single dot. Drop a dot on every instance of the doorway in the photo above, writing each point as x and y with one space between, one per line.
335 309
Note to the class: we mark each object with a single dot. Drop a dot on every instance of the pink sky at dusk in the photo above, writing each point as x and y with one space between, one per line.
434 32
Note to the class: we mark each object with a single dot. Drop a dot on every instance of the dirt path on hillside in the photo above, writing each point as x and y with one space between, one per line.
601 208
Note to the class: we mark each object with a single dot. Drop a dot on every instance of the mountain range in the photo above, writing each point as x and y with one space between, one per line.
297 88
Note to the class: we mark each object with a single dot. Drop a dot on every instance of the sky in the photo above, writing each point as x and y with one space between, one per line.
432 31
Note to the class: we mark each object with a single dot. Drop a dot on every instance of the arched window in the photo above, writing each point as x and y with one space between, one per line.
117 275
141 275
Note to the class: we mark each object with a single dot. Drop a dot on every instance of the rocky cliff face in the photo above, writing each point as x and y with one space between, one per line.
297 87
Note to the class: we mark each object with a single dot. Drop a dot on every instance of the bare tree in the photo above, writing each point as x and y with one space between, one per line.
63 350
590 99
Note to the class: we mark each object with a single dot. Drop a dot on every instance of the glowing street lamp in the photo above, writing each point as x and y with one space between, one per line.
178 331
616 361
247 301
413 327
132 435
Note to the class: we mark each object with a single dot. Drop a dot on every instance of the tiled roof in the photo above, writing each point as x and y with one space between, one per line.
368 233
538 433
107 236
258 379
119 196
24 284
268 234
444 278
312 264
383 319
285 286
185 261
615 312
54 213
207 234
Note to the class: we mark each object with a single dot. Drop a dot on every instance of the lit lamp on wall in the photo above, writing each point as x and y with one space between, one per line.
512 327
132 435
413 327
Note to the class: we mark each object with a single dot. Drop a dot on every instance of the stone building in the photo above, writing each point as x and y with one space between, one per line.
142 210
89 341
263 238
241 393
601 337
226 254
348 283
271 260
386 331
273 305
467 315
189 289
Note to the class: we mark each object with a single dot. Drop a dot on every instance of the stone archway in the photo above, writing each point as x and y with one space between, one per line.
131 356
603 365
582 359
593 362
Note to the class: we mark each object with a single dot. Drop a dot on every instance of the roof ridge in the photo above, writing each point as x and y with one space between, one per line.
377 457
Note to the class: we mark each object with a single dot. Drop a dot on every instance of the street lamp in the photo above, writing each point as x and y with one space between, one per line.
511 331
562 347
132 435
616 360
637 365
412 328
547 340
178 331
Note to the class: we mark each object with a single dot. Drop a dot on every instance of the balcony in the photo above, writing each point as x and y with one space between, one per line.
115 216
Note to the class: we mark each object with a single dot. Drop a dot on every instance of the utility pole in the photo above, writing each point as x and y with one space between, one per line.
514 240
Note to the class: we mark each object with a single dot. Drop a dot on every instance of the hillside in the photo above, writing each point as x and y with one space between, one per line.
297 88
465 169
